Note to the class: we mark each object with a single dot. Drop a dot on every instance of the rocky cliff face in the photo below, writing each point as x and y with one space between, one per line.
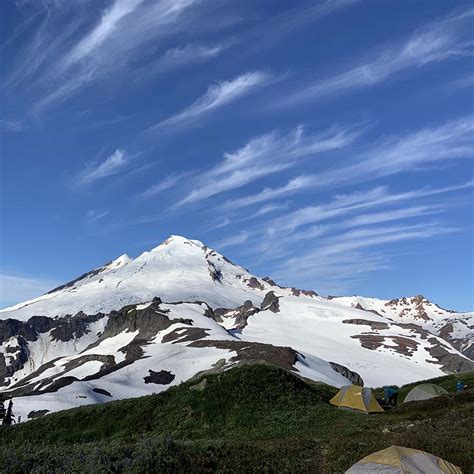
423 315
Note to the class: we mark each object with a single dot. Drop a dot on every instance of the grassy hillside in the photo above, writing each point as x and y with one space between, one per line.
251 417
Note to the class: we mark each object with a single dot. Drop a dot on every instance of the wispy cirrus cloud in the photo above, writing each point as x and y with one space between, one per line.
165 184
179 57
342 241
346 204
112 165
68 53
409 152
94 215
12 125
263 211
217 95
266 155
339 243
236 239
340 260
438 41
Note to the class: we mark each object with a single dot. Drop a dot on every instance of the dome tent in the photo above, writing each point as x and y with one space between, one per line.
425 391
356 398
400 460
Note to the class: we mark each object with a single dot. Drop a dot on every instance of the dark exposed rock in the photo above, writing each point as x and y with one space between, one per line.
134 351
56 385
461 344
163 377
42 324
241 314
298 292
108 370
185 335
62 329
359 306
353 377
255 352
284 357
294 291
403 345
270 281
12 328
370 341
148 322
37 372
254 283
270 302
214 272
101 391
73 327
14 361
451 363
88 274
107 360
364 322
415 328
37 414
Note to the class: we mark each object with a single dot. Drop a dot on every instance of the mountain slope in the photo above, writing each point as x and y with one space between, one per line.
455 328
135 327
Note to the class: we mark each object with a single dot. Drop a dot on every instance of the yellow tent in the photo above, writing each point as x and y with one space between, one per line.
400 460
356 398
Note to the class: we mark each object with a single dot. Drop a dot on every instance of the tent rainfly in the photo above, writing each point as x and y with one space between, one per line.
356 398
424 392
400 460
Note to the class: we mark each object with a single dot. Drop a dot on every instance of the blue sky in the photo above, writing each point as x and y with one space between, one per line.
327 144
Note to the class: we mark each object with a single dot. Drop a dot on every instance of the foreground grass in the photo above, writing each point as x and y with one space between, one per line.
249 418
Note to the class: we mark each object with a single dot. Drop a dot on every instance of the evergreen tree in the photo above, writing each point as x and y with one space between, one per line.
2 410
8 418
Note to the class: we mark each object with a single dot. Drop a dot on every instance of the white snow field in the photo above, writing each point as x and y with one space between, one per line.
78 345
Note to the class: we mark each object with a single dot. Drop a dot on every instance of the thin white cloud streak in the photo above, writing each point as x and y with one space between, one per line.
389 215
266 155
279 239
329 259
94 215
436 42
239 238
45 46
345 204
176 58
113 165
411 152
14 289
263 211
217 95
108 24
167 183
12 125
121 31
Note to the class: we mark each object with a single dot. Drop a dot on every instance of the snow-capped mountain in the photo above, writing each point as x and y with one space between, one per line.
456 328
137 326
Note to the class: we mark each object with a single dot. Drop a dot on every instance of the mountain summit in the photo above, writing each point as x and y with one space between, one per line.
178 269
137 326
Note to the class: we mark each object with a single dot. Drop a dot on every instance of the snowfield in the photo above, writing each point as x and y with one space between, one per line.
138 326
